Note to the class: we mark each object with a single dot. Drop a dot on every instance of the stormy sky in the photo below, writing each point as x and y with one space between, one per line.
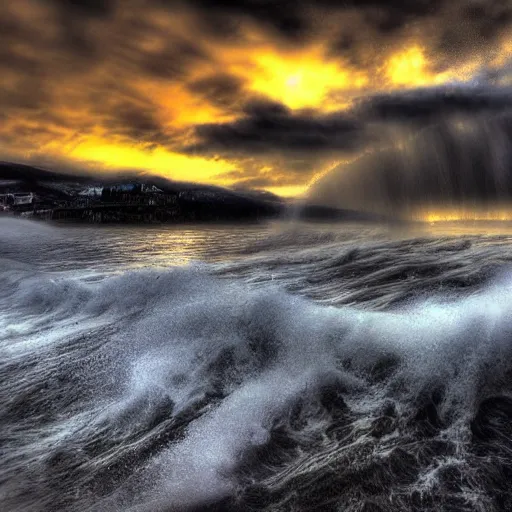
268 94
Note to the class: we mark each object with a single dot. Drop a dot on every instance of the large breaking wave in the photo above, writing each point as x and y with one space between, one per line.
178 390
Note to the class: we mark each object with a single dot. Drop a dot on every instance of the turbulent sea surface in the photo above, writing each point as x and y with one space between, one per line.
280 367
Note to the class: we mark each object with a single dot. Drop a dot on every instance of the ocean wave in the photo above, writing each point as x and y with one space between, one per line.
377 273
178 390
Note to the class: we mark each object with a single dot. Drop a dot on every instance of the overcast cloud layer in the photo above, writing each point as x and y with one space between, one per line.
256 92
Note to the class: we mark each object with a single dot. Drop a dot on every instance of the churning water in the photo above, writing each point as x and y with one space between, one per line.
280 368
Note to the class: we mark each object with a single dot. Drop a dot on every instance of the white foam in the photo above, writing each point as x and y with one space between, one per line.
172 328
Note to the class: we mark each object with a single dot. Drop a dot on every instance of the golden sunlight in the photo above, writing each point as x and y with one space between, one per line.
288 191
301 80
455 215
171 165
179 107
411 68
408 68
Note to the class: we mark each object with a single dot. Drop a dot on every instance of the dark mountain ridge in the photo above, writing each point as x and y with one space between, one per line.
81 197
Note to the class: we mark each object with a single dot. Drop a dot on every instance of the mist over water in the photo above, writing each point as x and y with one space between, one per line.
457 162
342 367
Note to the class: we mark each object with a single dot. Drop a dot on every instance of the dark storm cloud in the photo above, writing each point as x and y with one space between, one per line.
130 117
498 77
126 70
453 164
133 122
83 57
268 127
88 34
74 17
387 17
285 17
220 89
27 70
454 27
271 128
472 26
170 59
425 105
22 74
173 61
291 18
458 152
93 8
24 95
44 46
491 16
12 31
364 32
77 36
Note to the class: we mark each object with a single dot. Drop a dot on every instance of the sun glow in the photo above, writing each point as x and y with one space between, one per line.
176 166
288 191
411 68
301 80
294 80
307 79
456 215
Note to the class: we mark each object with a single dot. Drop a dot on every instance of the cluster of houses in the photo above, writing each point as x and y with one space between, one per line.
122 195
16 202
17 199
126 193
127 202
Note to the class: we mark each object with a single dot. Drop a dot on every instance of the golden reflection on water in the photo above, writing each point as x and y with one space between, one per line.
468 228
166 247
467 217
465 213
177 246
495 220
